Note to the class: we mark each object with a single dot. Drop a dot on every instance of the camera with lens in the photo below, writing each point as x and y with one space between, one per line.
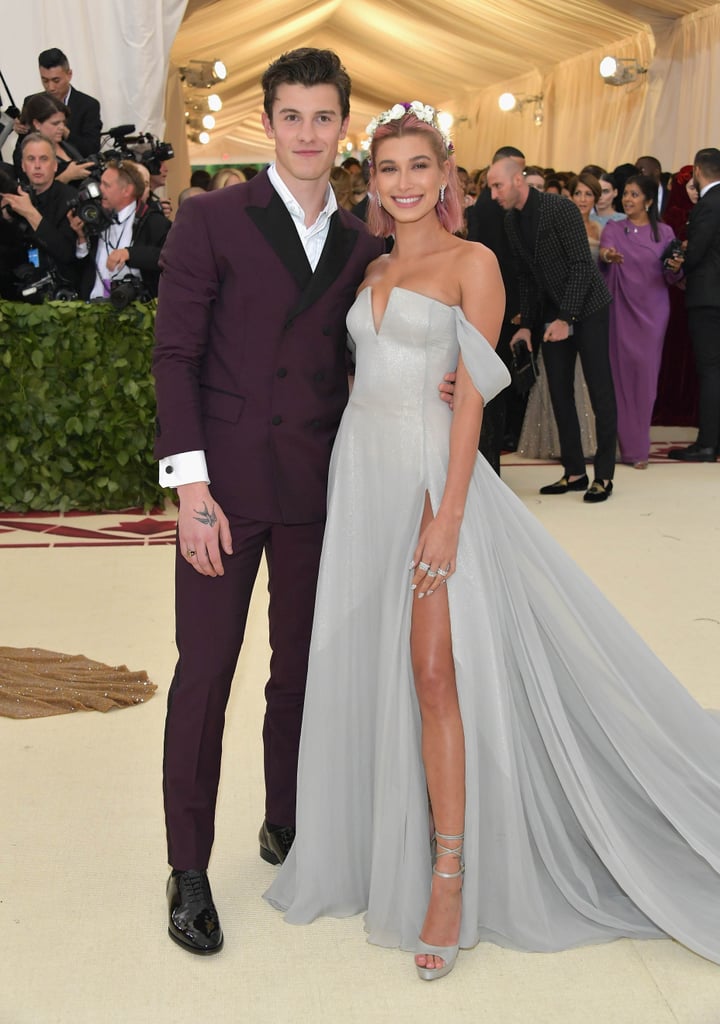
35 285
126 290
158 153
87 205
8 185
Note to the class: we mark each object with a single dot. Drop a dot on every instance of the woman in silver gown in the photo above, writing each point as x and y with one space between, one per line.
502 705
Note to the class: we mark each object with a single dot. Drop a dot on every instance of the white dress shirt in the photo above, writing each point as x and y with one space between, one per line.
191 467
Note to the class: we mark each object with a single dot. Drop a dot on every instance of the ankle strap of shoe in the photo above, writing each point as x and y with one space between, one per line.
448 851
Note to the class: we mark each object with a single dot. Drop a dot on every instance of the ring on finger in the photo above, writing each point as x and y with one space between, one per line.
443 572
190 553
424 566
431 574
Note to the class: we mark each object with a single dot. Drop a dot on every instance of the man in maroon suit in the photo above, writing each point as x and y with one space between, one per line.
250 367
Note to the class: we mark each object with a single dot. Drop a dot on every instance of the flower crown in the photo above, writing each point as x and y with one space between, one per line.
421 110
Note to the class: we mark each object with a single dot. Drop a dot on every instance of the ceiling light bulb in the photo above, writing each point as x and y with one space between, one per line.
220 70
445 120
214 102
203 138
507 102
608 67
208 121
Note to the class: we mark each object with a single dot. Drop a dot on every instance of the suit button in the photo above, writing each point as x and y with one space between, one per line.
276 421
319 376
282 372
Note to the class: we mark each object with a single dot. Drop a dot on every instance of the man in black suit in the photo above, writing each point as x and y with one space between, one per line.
486 224
561 288
85 126
701 264
39 233
130 246
652 168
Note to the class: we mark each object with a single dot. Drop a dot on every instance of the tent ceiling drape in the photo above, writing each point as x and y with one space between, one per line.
446 52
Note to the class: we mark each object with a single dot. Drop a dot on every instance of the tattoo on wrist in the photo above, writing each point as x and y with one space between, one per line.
206 516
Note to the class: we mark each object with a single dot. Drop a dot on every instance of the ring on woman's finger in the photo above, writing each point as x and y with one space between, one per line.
443 572
424 566
190 553
431 574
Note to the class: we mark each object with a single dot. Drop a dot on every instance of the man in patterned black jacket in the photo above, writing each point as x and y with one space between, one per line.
560 287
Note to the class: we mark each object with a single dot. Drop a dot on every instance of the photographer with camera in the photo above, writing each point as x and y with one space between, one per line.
36 218
122 257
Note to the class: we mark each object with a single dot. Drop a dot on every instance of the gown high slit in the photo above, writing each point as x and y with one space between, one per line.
592 776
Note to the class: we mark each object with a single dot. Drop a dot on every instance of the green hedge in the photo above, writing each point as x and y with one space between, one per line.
77 407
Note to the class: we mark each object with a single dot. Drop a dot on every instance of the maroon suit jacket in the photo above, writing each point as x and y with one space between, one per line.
250 354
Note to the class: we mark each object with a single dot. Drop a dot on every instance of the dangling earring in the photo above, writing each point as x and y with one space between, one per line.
442 193
379 200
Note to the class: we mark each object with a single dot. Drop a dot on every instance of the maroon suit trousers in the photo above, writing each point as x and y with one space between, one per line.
211 614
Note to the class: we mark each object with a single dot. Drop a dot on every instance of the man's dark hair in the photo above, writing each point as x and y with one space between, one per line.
507 151
708 161
653 160
53 58
350 161
200 179
307 66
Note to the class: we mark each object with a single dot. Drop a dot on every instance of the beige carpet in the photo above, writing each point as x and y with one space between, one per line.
82 856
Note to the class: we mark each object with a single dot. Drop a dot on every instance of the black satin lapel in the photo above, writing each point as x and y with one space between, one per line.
336 252
276 225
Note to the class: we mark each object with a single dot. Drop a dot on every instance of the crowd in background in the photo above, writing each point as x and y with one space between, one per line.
74 224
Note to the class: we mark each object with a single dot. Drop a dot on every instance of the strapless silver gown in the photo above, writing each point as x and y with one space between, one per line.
593 778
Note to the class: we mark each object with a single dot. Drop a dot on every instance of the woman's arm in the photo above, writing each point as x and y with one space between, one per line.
483 303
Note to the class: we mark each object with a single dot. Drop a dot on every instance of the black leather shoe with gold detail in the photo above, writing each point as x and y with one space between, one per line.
193 921
598 491
563 485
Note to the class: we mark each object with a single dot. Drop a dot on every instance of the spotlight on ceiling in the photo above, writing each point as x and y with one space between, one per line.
202 137
512 102
203 74
214 102
445 120
621 70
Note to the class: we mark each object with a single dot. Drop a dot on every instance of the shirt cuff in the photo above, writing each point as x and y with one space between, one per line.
184 468
81 250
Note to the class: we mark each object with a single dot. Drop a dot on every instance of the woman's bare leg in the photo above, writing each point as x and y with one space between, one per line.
443 750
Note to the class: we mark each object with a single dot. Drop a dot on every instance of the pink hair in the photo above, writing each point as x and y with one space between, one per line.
450 212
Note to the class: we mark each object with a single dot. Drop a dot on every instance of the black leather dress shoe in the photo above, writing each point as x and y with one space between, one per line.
693 453
598 491
563 485
275 842
193 921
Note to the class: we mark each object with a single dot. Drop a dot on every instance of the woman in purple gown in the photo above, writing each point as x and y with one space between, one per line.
631 253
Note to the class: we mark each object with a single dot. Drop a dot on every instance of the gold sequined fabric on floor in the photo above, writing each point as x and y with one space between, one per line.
35 683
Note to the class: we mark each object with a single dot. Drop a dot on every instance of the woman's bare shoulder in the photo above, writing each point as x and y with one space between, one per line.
374 272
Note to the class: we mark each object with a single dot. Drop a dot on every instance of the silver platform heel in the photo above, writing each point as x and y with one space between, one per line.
448 953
